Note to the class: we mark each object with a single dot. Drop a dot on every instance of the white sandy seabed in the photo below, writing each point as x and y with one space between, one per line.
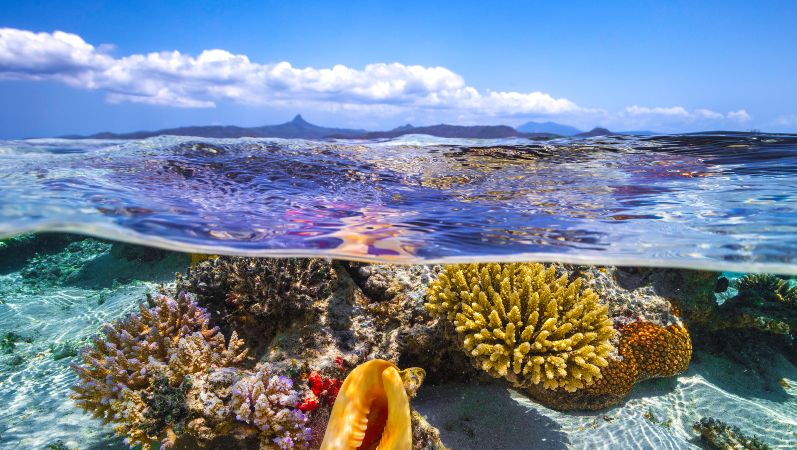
36 410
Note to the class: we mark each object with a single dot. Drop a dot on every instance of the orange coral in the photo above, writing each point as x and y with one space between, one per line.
647 351
658 351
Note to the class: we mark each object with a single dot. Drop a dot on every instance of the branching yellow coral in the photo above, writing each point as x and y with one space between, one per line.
521 322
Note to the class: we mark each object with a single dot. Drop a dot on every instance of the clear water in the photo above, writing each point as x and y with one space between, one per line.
713 202
721 202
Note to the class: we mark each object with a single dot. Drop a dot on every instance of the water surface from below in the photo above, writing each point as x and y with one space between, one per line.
721 202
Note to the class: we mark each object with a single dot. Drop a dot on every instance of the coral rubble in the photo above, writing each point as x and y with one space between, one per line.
523 323
716 434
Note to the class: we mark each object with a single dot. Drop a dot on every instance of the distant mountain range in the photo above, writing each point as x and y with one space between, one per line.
455 131
298 128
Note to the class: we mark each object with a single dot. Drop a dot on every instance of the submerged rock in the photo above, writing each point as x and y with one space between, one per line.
718 435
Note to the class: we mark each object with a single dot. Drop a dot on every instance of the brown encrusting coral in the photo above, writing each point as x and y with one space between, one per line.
266 288
646 351
524 323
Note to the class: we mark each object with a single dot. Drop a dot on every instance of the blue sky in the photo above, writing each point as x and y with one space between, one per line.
668 66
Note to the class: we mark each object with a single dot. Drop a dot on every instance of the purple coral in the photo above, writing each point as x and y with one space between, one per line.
169 341
268 402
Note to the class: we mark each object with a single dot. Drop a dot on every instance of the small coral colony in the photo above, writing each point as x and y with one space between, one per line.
306 353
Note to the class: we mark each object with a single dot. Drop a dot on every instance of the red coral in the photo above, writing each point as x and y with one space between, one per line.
324 387
309 404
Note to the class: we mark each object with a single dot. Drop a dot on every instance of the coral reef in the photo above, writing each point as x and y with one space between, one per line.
65 267
137 253
263 287
691 292
766 288
424 435
335 313
9 340
523 323
395 300
718 435
372 409
646 351
764 302
122 375
756 323
629 303
268 401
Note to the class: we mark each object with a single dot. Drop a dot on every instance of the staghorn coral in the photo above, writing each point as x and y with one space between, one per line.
519 321
268 402
171 340
372 409
646 351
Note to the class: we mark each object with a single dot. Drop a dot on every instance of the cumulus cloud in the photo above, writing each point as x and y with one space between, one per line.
679 112
176 79
739 116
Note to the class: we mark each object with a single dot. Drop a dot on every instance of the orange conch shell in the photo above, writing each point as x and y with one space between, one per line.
372 411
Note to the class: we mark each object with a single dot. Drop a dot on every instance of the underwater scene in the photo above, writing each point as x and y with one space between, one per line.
611 292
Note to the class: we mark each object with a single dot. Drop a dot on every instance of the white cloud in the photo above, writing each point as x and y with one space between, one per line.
709 114
678 114
739 116
176 79
677 111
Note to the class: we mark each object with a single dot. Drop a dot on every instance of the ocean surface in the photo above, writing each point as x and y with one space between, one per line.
711 201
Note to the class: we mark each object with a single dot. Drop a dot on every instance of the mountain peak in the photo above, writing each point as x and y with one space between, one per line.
299 120
597 131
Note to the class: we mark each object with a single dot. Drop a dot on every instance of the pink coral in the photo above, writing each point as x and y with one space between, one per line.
268 401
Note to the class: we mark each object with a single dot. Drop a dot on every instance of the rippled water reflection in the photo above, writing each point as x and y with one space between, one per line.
725 202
